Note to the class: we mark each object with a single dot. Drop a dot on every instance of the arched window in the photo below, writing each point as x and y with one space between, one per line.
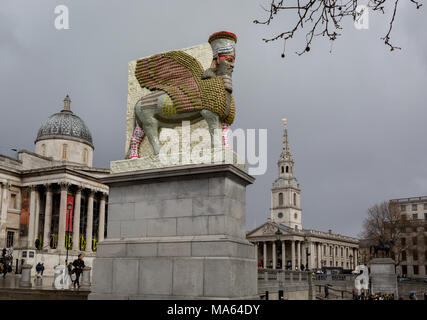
280 199
85 155
295 199
287 169
64 152
43 150
296 215
282 169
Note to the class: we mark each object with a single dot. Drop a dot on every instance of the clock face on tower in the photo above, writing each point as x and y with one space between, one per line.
280 181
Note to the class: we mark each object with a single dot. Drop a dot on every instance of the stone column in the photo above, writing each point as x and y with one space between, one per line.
299 255
37 217
293 254
32 217
274 253
102 219
62 215
319 255
283 255
256 253
4 195
89 225
76 218
264 262
47 216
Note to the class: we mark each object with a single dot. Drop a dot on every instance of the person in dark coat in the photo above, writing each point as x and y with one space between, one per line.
78 269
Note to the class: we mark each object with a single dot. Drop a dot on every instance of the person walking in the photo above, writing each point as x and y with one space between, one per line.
38 269
78 269
42 270
70 271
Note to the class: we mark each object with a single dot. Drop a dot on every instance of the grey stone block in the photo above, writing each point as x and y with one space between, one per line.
147 209
121 211
113 229
125 276
216 224
217 278
192 226
141 249
156 276
188 277
133 229
213 248
161 227
176 249
110 250
193 188
204 206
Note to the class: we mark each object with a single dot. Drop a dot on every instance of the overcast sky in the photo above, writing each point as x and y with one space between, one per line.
356 116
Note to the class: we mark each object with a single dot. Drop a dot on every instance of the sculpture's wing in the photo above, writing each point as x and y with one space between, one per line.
180 76
174 72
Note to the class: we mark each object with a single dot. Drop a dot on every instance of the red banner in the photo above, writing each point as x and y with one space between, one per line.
70 209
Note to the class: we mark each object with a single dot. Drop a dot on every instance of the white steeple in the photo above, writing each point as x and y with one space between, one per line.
285 193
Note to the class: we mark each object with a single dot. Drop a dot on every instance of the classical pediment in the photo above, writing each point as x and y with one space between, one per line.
268 229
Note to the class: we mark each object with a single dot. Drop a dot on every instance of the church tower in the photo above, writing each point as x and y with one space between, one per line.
286 193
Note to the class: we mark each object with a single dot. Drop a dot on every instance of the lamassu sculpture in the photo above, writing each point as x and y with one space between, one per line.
181 90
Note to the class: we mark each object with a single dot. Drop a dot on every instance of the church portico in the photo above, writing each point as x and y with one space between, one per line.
282 243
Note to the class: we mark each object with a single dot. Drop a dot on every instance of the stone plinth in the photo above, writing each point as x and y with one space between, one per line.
176 233
86 277
383 276
25 280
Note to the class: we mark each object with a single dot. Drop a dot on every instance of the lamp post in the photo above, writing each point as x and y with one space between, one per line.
278 242
307 254
69 209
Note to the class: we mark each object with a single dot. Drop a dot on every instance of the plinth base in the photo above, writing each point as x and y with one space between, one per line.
176 233
383 276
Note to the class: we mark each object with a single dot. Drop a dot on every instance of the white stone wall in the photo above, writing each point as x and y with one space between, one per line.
54 148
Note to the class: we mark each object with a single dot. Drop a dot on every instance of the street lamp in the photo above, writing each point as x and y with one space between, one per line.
278 243
307 254
67 244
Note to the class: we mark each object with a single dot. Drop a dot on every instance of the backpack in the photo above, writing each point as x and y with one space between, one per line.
38 267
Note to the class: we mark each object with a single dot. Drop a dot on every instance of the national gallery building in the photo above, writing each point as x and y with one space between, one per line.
52 204
282 243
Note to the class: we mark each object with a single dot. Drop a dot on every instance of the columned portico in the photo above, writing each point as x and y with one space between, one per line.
76 219
274 254
32 216
293 254
102 219
283 255
89 226
264 261
62 215
47 216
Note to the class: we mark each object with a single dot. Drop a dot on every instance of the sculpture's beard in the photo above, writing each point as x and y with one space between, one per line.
223 70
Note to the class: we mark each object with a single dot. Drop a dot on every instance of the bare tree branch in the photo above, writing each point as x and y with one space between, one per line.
324 18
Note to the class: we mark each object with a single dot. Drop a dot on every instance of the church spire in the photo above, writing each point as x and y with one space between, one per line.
286 154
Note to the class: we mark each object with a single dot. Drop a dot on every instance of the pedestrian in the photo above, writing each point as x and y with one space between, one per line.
3 254
4 269
78 269
42 270
326 291
38 269
70 271
10 253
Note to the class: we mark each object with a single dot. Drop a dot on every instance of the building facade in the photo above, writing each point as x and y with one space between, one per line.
413 236
282 243
52 205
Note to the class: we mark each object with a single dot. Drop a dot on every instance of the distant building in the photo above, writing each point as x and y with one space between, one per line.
413 236
281 242
52 199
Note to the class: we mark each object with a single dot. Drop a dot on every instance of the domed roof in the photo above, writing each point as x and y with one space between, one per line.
65 125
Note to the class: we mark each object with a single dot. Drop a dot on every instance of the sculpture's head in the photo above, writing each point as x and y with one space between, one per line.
223 49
